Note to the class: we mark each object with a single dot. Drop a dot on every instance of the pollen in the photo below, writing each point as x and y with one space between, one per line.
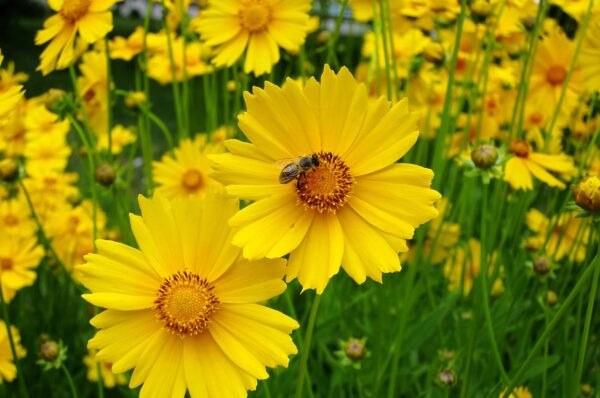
327 187
185 303
255 15
74 10
556 75
192 180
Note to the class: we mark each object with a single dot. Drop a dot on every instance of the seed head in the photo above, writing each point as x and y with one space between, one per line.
106 174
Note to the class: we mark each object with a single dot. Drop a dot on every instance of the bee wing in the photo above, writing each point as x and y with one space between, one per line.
281 163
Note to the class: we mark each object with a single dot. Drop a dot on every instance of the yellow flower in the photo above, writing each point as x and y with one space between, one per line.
10 79
109 379
525 163
186 171
462 268
18 258
93 86
518 392
362 10
127 48
160 67
92 19
589 58
258 26
121 136
356 208
15 217
46 153
567 231
40 122
445 235
12 129
49 190
577 8
190 301
550 67
10 95
8 370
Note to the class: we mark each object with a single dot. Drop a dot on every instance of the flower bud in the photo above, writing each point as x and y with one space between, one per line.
586 389
231 86
434 53
446 378
105 174
587 193
542 265
49 350
9 170
551 298
355 349
135 99
484 156
480 10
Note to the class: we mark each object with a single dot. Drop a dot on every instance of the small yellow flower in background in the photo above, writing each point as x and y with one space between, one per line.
127 48
8 370
91 19
186 171
10 91
120 135
93 87
355 208
12 129
18 259
518 392
109 379
589 58
587 193
160 67
362 10
526 164
15 217
49 190
190 300
40 122
569 237
463 267
258 27
46 153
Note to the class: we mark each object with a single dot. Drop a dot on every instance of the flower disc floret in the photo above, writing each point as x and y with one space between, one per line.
326 188
73 10
185 303
255 16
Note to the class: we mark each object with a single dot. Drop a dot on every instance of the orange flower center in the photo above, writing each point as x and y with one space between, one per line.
192 180
11 220
519 148
185 303
536 118
255 15
73 10
326 188
6 263
556 74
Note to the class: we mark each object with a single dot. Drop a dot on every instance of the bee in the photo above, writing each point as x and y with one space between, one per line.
295 168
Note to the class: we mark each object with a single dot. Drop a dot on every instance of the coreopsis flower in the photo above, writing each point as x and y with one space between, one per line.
120 136
90 20
12 129
518 392
186 171
19 256
127 48
587 193
8 370
46 153
40 122
257 27
10 94
49 190
577 8
182 310
109 379
193 54
462 268
93 87
549 71
589 58
362 10
568 238
15 219
351 205
526 164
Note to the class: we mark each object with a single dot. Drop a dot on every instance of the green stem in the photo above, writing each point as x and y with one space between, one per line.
586 329
579 286
331 55
69 380
483 272
109 94
161 126
306 346
11 340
